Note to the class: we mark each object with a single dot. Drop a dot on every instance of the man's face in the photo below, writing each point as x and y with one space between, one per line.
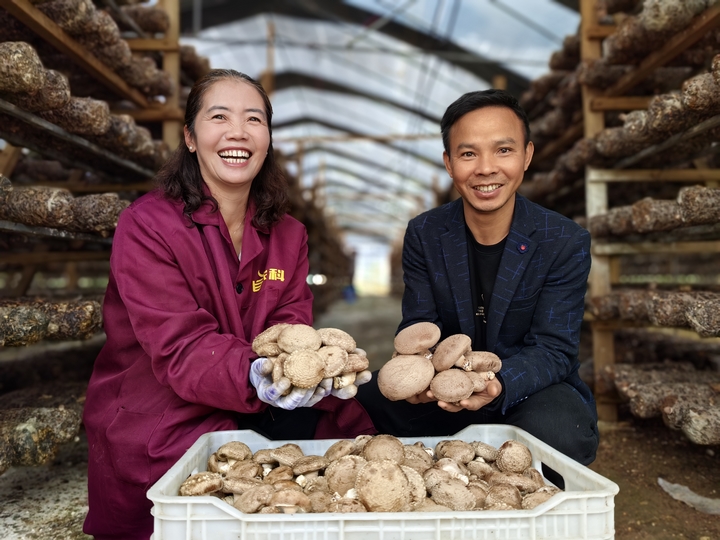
487 159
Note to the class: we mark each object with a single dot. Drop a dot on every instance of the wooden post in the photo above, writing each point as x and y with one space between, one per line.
8 159
267 78
499 82
596 203
172 129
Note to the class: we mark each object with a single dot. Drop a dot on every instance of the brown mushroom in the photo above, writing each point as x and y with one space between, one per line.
338 449
417 458
451 386
454 494
297 337
382 486
455 449
287 454
450 351
283 472
338 338
341 474
480 361
304 368
234 451
484 450
254 498
503 494
240 485
405 376
416 485
265 343
513 456
290 501
334 359
356 362
309 466
244 469
383 447
416 338
202 483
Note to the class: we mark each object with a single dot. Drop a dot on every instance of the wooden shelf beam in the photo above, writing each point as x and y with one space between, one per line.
44 27
142 187
48 232
652 175
153 44
159 114
619 103
641 248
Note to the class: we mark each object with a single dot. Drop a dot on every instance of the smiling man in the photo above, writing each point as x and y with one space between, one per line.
507 272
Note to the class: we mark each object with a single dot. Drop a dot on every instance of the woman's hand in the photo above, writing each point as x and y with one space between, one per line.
272 393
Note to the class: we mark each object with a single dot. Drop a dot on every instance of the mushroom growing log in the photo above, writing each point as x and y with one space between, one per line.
650 215
97 213
53 94
81 116
701 93
619 220
703 316
73 16
36 206
699 205
21 69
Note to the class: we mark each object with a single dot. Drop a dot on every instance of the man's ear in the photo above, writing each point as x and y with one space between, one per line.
529 151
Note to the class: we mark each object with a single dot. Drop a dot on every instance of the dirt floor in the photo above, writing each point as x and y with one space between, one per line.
633 453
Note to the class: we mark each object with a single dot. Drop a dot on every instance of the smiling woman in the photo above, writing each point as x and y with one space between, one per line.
199 268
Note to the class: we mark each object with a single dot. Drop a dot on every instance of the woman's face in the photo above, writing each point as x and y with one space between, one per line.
231 135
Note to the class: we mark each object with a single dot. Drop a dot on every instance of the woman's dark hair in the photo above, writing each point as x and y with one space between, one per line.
477 100
180 176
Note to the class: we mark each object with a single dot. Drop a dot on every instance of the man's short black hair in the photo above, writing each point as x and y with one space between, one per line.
477 100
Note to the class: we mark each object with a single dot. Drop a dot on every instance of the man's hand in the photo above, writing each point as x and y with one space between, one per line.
475 401
425 396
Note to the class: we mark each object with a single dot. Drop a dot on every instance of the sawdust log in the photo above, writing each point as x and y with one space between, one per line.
121 135
633 305
102 29
598 73
568 96
21 324
151 19
616 142
699 205
701 425
160 155
630 42
142 73
196 66
667 114
650 215
73 16
553 123
54 94
627 377
81 116
715 68
680 153
703 316
665 79
41 170
72 320
667 17
97 213
581 154
599 226
679 400
605 307
636 125
32 436
21 69
37 205
668 308
143 143
701 93
568 57
648 400
116 55
620 220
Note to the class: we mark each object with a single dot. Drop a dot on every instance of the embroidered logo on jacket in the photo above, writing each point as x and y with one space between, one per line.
273 274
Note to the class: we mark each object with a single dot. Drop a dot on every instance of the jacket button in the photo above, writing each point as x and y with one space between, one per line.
239 288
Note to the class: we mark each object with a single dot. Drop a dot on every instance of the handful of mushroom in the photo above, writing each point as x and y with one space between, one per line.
373 474
306 356
450 368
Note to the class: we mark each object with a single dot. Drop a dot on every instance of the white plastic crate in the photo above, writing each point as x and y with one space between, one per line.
584 511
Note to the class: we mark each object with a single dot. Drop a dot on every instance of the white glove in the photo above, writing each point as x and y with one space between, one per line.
272 393
350 390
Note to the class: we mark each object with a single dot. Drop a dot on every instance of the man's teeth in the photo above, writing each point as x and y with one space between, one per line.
487 189
235 156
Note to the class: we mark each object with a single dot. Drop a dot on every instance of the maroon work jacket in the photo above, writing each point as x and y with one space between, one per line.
180 314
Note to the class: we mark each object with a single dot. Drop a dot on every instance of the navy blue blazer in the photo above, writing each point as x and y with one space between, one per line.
536 308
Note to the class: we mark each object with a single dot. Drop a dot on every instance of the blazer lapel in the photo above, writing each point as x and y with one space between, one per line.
454 252
517 255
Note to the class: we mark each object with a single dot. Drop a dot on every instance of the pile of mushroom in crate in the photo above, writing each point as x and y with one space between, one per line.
375 473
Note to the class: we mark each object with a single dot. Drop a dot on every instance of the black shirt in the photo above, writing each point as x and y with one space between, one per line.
484 262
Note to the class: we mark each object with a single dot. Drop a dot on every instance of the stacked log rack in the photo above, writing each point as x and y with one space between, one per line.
42 392
624 123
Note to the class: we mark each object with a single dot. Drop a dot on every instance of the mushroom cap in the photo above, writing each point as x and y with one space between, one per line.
451 385
479 489
290 499
384 447
342 473
484 450
417 458
416 484
334 358
234 450
254 498
320 501
478 380
304 368
338 338
269 335
338 449
417 337
264 456
346 505
480 468
405 376
455 449
295 337
282 472
450 350
308 464
360 441
356 363
531 500
513 456
278 371
240 485
524 483
202 483
244 469
480 361
287 484
382 486
504 494
428 505
287 454
454 494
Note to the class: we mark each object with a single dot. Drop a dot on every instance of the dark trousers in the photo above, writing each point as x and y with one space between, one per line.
556 415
